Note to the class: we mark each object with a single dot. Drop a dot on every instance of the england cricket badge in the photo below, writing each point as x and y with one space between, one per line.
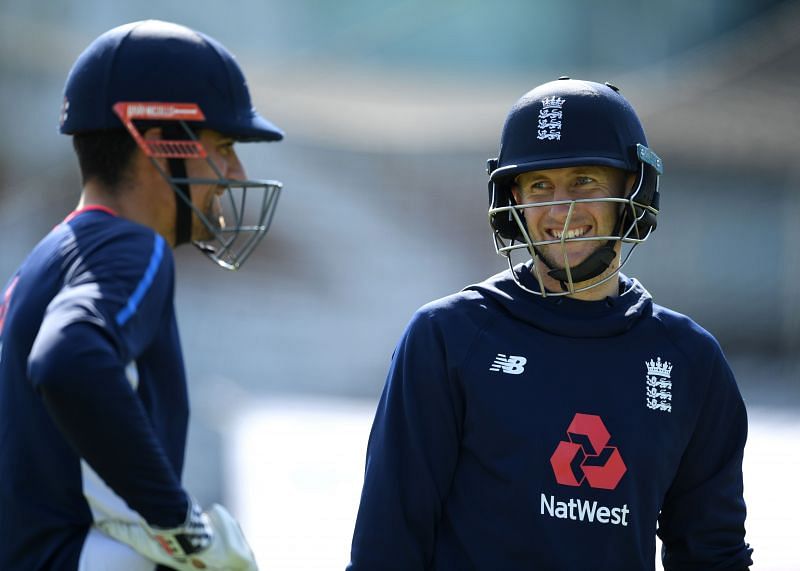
659 385
550 117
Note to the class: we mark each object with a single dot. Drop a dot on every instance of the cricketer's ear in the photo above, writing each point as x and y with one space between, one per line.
630 180
154 134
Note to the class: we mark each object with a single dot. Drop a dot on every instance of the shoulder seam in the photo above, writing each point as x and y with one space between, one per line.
480 327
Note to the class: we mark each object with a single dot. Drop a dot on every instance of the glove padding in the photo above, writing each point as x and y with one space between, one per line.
210 541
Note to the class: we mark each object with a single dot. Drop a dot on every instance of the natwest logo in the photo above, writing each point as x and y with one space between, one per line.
586 456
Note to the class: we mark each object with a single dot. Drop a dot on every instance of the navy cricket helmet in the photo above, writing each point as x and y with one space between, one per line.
159 61
567 123
159 74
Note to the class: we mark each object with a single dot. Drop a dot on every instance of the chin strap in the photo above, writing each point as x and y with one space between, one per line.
177 170
597 262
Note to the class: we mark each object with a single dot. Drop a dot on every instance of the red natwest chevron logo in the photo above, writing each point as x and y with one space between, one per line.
586 456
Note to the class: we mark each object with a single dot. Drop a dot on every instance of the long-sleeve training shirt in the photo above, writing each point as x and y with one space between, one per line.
551 434
93 400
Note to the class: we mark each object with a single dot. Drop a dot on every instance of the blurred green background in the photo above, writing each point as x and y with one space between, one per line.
390 110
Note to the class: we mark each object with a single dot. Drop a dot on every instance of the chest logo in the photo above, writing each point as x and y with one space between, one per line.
511 364
586 456
659 385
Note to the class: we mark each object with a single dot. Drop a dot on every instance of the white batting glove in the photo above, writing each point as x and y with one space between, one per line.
209 541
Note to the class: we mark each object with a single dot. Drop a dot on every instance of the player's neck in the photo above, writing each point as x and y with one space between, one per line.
96 194
131 202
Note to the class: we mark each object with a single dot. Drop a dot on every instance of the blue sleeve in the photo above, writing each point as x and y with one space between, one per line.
104 316
701 523
411 457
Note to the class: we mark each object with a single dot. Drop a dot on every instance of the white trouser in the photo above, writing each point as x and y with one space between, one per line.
101 553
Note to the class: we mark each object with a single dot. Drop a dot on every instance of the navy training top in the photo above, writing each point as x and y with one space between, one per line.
520 432
93 400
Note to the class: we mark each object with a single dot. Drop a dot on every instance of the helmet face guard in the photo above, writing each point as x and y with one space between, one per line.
568 123
247 206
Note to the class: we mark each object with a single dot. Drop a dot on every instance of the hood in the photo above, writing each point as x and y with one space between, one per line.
565 316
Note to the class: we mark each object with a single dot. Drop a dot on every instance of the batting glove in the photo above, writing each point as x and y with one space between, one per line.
209 541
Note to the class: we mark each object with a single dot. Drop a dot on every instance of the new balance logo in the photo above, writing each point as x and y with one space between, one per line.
511 364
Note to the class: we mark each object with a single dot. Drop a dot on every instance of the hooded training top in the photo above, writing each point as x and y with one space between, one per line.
93 401
519 432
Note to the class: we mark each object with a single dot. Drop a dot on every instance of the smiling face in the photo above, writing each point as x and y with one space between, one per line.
588 219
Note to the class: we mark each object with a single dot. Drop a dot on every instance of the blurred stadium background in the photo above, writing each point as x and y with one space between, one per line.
391 109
